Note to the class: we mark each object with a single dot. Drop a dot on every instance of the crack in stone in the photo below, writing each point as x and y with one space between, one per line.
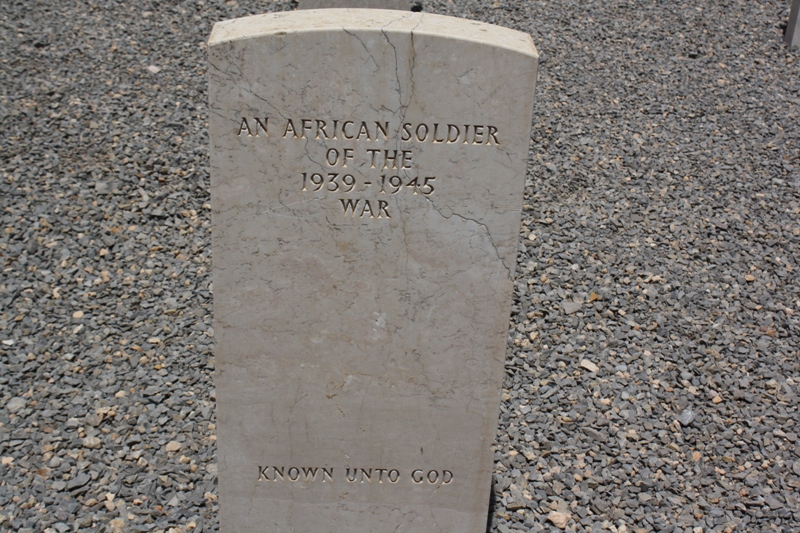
509 271
357 38
396 59
274 108
411 81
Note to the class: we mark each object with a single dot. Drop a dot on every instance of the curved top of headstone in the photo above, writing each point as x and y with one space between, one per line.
384 20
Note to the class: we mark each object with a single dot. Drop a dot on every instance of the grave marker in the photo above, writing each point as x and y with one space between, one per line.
367 175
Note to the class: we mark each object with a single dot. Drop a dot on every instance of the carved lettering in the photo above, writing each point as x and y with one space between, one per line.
432 477
435 131
344 129
306 127
477 138
372 152
382 205
289 127
375 131
348 204
447 477
332 156
387 159
452 128
382 128
262 125
424 135
406 159
362 130
321 129
406 133
245 128
378 476
398 160
493 135
365 208
294 474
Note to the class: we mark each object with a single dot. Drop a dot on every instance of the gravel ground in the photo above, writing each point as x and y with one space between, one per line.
653 369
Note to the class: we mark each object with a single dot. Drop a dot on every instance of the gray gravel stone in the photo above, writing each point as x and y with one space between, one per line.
686 417
15 404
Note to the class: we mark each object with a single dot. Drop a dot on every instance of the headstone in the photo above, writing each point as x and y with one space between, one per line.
401 5
367 178
793 29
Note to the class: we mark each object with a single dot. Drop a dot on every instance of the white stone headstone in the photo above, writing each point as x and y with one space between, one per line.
367 178
402 5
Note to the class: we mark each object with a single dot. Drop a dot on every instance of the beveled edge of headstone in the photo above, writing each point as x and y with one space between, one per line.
385 20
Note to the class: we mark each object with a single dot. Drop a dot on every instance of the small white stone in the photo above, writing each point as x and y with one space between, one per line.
154 69
92 443
588 365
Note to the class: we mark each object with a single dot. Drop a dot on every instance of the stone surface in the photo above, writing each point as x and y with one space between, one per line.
367 172
402 5
793 28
